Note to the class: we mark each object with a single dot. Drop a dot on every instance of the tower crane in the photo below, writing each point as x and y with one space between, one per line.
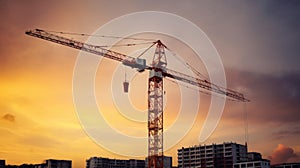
158 70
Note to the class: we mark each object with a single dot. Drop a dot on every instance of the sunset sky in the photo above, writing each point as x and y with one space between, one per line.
258 42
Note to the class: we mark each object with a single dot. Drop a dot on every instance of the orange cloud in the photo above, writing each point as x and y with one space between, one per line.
282 154
9 117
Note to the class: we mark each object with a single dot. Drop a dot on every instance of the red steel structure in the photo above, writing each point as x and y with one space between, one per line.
158 70
155 108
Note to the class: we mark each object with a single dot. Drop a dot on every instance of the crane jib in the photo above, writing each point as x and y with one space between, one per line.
158 70
136 63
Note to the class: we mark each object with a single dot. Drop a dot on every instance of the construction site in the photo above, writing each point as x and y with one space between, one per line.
158 70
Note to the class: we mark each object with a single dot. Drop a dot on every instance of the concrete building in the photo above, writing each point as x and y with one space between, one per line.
263 163
133 163
21 166
215 155
2 163
254 160
43 165
100 162
167 162
286 165
254 156
52 163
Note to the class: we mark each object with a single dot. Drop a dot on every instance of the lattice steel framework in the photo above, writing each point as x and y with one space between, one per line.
158 70
155 108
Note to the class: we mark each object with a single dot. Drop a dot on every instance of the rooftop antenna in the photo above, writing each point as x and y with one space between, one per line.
246 124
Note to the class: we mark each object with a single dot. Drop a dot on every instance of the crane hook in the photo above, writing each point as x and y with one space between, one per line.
125 85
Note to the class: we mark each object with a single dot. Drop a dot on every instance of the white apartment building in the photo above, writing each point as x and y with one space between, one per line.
253 164
212 156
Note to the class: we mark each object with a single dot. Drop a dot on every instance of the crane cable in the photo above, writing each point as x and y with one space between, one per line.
207 93
146 50
198 74
128 45
188 65
186 86
104 36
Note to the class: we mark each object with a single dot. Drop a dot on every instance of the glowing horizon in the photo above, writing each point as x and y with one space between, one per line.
38 119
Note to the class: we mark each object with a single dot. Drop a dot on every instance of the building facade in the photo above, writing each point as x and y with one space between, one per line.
2 163
52 163
100 162
167 162
212 156
254 160
253 164
286 165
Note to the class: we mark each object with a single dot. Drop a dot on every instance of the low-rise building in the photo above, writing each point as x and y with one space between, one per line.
286 165
254 160
100 162
263 163
167 162
50 163
210 156
2 163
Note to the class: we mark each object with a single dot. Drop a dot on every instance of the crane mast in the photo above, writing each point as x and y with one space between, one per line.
155 108
157 71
